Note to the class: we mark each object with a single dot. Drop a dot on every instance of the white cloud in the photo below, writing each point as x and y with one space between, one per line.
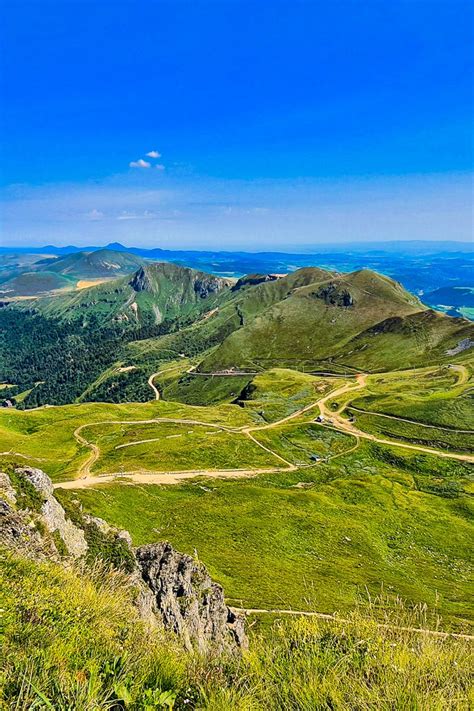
159 166
153 154
95 214
140 163
126 215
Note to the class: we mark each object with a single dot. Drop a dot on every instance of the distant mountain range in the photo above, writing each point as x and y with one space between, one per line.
439 273
52 274
405 246
309 319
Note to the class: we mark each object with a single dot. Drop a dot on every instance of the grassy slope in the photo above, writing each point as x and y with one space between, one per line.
374 517
79 645
309 325
235 308
418 434
432 396
174 447
394 507
163 291
278 392
412 341
46 434
34 283
90 265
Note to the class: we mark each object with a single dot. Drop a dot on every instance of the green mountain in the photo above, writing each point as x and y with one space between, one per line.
312 321
40 277
309 320
35 284
93 265
152 294
119 332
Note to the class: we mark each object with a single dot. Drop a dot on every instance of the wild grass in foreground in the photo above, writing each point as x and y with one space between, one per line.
72 639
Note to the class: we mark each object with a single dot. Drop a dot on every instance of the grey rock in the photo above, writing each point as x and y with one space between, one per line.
190 603
18 534
7 492
53 515
209 285
462 346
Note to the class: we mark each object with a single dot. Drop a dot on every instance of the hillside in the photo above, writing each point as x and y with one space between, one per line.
42 276
116 334
152 294
91 622
417 339
312 321
93 265
35 283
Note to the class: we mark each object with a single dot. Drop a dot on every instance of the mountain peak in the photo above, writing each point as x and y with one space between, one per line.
116 246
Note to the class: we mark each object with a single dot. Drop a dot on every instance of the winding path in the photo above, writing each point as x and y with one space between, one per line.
335 618
336 421
344 425
153 386
410 422
155 375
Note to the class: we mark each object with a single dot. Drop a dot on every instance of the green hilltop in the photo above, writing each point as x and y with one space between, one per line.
124 329
52 274
93 265
153 293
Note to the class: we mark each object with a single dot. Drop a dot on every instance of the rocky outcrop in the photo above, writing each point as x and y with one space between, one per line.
32 521
190 603
253 279
20 534
204 287
334 295
7 492
53 515
172 588
141 281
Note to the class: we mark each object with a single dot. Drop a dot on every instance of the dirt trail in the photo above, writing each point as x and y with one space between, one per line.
155 375
85 468
410 422
153 386
361 380
11 453
463 374
344 425
334 618
84 473
173 477
94 454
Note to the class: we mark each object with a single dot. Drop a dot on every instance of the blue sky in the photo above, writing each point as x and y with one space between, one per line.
276 124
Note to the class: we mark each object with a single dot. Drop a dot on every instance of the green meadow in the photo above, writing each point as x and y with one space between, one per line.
317 538
167 446
45 436
352 518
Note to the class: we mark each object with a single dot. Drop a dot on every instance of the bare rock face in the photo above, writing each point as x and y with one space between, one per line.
253 279
172 588
190 603
7 492
52 513
18 533
334 295
210 285
141 281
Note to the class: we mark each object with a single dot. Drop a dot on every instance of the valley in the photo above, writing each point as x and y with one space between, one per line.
314 427
236 356
352 504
